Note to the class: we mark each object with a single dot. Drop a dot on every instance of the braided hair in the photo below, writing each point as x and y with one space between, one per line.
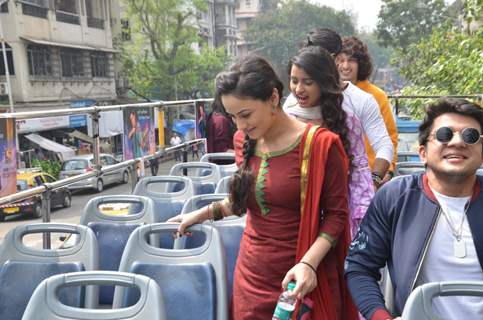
320 66
252 77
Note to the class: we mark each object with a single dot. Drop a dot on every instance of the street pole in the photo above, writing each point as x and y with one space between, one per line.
5 62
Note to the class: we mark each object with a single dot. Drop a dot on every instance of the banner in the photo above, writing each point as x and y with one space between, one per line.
138 137
8 158
200 120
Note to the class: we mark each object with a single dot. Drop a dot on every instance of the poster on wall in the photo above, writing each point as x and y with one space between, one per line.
138 138
8 158
200 120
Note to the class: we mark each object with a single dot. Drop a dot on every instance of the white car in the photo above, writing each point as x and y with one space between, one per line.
85 163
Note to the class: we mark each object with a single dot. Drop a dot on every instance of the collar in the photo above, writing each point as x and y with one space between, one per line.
430 194
362 84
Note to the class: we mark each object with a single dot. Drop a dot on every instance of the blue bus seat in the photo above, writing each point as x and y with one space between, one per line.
192 281
22 268
112 231
45 303
227 158
204 175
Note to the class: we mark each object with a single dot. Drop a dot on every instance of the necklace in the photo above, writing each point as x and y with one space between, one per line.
459 246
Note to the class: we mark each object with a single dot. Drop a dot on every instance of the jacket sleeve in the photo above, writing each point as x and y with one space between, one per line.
376 131
368 253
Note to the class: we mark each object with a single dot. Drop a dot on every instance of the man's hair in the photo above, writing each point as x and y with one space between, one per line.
448 105
356 49
325 38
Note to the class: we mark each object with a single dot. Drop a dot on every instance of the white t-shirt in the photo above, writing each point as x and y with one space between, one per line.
365 107
175 140
440 263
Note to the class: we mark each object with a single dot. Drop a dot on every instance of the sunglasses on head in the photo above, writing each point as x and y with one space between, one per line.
468 135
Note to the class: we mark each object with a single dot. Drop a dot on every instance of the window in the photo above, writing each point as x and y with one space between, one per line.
66 11
100 64
39 60
72 63
94 14
125 30
35 8
4 7
248 3
8 50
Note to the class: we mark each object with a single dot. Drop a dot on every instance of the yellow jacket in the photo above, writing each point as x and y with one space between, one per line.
388 117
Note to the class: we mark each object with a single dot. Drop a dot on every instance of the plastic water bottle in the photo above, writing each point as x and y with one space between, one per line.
285 305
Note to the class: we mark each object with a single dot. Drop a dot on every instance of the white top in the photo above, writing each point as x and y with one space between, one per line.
175 140
365 107
440 263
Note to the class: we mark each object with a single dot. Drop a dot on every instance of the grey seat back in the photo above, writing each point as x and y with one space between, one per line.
168 203
22 268
113 231
193 281
405 168
223 185
45 303
217 157
205 175
231 230
419 304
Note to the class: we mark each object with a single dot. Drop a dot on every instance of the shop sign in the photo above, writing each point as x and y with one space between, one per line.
41 124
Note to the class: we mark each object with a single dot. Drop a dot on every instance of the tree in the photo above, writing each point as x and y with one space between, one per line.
449 62
277 34
402 22
161 59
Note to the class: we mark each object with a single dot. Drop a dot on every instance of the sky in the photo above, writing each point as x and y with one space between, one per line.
366 11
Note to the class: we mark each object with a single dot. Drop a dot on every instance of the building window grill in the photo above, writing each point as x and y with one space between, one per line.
72 63
4 7
95 23
35 8
67 17
39 60
67 11
99 65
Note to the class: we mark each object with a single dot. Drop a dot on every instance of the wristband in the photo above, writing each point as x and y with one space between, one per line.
310 266
376 179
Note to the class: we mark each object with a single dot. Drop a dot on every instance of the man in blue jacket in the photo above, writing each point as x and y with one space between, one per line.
427 227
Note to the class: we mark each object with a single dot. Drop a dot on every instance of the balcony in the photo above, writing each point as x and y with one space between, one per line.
95 23
67 17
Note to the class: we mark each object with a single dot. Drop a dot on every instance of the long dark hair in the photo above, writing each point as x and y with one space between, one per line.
320 66
217 107
252 77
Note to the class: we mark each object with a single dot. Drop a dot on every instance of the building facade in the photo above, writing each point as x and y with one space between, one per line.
59 52
225 26
245 11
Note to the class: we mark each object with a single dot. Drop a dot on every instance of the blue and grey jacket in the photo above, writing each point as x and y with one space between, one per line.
397 230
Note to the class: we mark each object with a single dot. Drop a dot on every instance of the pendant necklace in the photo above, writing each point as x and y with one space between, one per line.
459 246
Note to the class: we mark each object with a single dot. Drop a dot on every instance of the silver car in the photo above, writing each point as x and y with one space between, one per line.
85 163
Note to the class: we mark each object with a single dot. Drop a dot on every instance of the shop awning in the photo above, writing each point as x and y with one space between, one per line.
68 45
82 136
63 151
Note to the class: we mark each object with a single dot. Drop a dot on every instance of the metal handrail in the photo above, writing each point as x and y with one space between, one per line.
478 97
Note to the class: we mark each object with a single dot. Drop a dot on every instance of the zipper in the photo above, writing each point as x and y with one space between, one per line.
426 246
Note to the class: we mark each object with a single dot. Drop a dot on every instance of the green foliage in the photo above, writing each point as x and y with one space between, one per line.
163 59
403 22
48 166
277 34
449 62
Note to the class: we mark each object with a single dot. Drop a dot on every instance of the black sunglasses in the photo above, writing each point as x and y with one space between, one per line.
469 135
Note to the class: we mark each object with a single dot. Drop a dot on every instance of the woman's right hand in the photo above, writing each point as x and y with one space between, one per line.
187 220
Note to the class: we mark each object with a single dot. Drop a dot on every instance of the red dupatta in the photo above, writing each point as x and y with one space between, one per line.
315 144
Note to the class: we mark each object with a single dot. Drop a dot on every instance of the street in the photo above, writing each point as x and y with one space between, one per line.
79 200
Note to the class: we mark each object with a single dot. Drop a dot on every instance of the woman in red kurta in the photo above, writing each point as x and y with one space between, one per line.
292 183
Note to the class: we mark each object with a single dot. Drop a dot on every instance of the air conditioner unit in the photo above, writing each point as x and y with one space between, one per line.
3 89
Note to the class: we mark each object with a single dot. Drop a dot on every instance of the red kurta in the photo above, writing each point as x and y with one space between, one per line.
269 244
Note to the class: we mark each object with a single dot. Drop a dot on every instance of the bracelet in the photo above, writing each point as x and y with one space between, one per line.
217 210
376 179
310 266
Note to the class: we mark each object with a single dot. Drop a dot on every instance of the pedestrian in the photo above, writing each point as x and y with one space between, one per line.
219 129
314 82
427 227
194 151
355 65
176 141
362 104
289 183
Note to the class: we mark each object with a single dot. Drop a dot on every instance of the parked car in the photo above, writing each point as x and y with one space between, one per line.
30 178
85 163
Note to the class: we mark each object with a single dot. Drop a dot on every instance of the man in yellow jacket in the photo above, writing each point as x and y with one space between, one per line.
355 65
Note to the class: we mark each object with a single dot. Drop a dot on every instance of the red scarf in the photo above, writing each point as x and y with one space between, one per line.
318 146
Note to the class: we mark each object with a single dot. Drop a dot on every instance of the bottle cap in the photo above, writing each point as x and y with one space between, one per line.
291 286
